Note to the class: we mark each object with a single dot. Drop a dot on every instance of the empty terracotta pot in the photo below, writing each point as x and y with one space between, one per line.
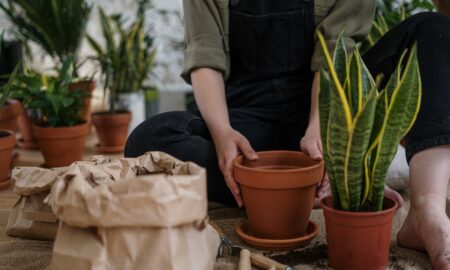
358 240
88 87
7 142
61 146
278 192
112 130
9 114
28 141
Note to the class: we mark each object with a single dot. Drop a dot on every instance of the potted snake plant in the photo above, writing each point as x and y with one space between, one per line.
125 63
7 130
361 127
59 129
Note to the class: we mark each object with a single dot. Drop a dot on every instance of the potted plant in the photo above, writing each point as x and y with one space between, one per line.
58 28
10 109
59 129
360 129
8 115
125 65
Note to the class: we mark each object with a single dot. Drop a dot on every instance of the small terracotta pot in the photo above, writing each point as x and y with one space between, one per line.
278 192
7 142
9 114
112 129
87 86
358 240
28 141
61 146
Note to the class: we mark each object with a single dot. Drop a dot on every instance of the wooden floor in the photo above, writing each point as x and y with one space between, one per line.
31 158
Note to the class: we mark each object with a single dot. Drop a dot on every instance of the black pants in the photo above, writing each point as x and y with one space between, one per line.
185 135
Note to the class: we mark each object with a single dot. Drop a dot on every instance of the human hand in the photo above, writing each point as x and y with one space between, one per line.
311 144
229 144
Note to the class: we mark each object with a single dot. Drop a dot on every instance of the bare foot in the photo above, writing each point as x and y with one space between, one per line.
428 230
324 190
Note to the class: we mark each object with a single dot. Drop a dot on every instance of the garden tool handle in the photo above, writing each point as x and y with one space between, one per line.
244 260
264 262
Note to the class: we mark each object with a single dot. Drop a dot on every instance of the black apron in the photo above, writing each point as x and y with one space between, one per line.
271 44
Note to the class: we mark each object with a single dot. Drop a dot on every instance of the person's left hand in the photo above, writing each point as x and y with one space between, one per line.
311 144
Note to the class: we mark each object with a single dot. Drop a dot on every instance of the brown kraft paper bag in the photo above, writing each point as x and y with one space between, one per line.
152 216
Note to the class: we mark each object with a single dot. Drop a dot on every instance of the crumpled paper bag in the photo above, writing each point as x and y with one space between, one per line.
148 212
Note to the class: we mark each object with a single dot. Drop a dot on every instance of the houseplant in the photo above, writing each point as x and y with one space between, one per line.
7 130
58 27
360 129
126 63
10 109
59 129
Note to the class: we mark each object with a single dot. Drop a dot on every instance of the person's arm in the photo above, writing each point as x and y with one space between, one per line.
209 92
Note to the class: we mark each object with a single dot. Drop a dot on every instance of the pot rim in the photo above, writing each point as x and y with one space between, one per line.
237 162
328 208
8 141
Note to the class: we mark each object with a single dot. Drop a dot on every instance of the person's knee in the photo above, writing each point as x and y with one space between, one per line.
156 133
432 25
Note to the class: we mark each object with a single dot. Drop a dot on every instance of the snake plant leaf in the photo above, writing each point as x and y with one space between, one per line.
324 114
356 149
401 114
340 59
340 122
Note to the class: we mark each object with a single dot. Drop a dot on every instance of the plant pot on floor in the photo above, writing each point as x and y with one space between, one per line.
9 114
7 142
278 192
28 141
88 87
112 130
61 146
358 240
134 103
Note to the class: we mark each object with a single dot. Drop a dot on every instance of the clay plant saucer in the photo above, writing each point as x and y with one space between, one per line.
243 231
27 145
5 184
109 149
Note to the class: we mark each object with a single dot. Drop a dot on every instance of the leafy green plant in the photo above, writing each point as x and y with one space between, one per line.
361 126
51 97
128 58
6 90
57 26
391 12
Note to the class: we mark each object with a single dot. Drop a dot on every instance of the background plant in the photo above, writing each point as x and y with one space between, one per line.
127 59
50 96
57 26
391 12
7 89
361 126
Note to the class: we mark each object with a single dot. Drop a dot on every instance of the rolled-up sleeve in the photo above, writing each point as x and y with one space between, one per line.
205 47
354 16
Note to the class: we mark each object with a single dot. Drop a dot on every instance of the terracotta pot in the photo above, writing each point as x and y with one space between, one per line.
61 146
112 130
7 142
9 114
358 240
28 141
87 86
278 192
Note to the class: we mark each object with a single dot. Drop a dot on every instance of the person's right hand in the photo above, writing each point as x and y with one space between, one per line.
229 144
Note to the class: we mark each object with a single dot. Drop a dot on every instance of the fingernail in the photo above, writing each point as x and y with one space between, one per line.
236 191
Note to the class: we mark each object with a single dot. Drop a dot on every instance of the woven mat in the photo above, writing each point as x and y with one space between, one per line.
30 254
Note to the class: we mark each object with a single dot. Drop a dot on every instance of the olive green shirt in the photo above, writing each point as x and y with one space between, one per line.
207 44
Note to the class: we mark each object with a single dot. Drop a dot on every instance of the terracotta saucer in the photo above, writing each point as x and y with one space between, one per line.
5 183
243 231
109 149
27 145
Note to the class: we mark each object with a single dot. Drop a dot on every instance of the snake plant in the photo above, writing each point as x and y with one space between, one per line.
361 125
